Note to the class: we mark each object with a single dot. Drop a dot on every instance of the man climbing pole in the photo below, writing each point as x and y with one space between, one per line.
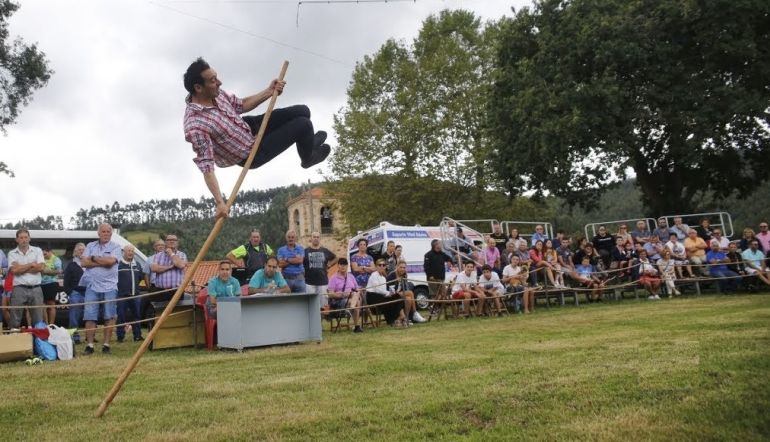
221 137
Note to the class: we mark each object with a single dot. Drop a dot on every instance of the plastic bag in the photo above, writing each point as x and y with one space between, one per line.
61 338
45 350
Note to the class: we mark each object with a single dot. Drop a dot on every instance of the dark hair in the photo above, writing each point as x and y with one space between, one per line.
22 230
342 261
362 239
486 267
224 261
193 75
433 243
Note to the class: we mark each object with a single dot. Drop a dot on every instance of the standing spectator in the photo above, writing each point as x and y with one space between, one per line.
465 288
755 262
648 276
344 293
623 233
681 229
565 253
169 268
499 237
224 285
764 237
268 279
748 236
539 235
362 265
390 256
130 274
74 290
291 258
377 293
25 263
667 268
704 230
716 236
728 280
250 256
515 278
3 272
49 282
696 247
100 261
399 285
434 265
679 255
642 234
149 276
603 243
317 261
662 231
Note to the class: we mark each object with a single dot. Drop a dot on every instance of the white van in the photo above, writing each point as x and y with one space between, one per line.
415 243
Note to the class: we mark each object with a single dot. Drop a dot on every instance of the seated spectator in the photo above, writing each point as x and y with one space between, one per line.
738 266
716 236
653 248
515 279
523 253
224 286
648 276
505 256
539 235
514 235
620 258
603 243
558 239
667 268
623 233
679 228
642 234
399 285
343 293
461 243
268 279
662 231
764 237
728 280
748 236
565 253
695 246
755 262
491 256
704 230
679 255
553 259
490 283
586 275
465 288
540 264
587 250
377 293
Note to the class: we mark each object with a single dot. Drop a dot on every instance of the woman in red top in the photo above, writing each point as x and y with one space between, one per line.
538 257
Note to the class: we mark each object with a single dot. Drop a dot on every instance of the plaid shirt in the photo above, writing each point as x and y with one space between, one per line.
218 133
171 278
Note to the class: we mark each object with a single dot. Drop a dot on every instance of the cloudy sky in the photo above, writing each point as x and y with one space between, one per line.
108 126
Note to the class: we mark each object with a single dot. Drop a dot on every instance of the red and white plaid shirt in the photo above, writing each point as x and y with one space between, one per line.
218 133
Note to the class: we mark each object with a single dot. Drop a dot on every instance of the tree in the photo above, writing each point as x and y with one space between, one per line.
23 69
677 91
417 110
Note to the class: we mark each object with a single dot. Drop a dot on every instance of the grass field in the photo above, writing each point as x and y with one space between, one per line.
685 369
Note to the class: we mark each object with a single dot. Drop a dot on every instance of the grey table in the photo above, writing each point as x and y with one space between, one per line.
268 319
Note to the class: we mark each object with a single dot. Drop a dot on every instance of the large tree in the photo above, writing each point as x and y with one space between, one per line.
23 69
676 91
418 109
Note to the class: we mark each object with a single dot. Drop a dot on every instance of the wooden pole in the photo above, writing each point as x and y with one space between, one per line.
191 270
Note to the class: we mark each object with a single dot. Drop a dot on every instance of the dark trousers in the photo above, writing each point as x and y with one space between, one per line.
126 303
389 311
286 126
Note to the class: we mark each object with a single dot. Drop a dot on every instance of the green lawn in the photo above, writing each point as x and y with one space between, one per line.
683 369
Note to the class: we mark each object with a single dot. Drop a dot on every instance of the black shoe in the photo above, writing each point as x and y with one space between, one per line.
106 349
138 338
319 138
358 329
89 350
319 154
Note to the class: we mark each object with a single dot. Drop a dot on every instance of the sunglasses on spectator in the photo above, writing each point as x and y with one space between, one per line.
381 265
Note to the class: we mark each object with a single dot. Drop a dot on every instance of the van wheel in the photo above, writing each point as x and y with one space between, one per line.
421 297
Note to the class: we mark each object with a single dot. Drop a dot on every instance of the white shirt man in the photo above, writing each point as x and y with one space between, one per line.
26 262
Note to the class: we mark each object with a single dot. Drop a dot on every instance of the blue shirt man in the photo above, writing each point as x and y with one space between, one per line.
268 280
100 277
291 258
222 286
